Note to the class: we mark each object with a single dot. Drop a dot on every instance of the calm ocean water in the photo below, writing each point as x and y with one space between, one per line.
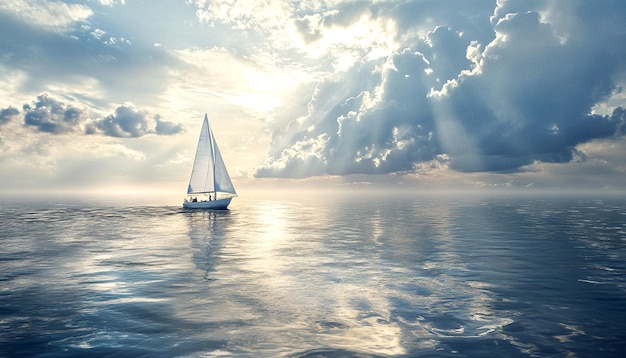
348 276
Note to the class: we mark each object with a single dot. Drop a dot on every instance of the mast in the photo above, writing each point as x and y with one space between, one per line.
212 144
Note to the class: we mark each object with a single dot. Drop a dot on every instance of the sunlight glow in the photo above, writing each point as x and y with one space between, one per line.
346 43
258 85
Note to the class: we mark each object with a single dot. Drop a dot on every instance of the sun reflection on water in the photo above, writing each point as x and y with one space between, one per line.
278 269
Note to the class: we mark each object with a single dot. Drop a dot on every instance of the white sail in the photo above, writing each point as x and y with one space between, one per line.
209 176
202 173
222 179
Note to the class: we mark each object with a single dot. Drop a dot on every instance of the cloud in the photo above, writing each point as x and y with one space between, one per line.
49 115
52 15
264 16
61 48
536 84
46 114
497 100
373 119
166 128
377 117
112 2
7 114
128 122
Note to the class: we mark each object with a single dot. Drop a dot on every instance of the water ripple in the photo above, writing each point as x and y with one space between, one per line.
346 277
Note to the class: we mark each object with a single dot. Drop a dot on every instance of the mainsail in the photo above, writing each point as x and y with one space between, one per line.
209 172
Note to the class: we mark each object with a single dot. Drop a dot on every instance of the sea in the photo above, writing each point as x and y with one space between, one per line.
319 275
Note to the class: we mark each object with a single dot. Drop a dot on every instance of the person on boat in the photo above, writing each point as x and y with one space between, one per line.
209 197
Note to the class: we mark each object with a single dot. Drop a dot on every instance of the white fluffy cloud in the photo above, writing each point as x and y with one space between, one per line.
53 15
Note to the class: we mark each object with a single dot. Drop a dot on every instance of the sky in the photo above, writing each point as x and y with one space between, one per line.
426 94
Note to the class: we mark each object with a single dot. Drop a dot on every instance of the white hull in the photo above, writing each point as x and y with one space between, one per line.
221 204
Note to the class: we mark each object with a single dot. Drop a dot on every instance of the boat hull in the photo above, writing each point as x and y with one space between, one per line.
221 204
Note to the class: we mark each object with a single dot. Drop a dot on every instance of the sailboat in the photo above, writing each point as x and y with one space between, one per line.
209 186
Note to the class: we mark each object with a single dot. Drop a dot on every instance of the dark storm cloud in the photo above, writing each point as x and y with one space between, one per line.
490 100
533 98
